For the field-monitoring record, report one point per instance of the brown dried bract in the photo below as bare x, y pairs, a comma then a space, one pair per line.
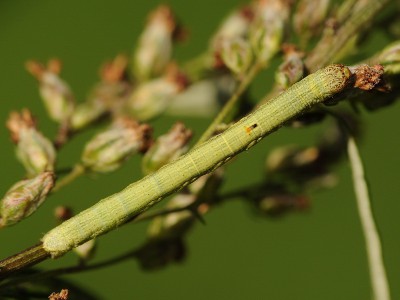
63, 295
19, 121
175, 75
179, 135
144, 132
291, 49
367, 78
163, 14
114, 71
37, 69
247, 12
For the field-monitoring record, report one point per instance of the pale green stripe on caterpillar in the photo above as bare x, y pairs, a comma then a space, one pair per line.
139, 196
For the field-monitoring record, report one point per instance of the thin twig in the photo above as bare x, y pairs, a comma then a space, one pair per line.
380, 286
70, 270
76, 172
26, 258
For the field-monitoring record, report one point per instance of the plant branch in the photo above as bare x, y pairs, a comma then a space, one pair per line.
26, 258
70, 270
77, 171
356, 23
379, 280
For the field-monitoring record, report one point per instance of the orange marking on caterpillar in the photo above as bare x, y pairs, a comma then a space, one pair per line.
249, 129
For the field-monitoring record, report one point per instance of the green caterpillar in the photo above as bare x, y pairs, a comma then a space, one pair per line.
114, 210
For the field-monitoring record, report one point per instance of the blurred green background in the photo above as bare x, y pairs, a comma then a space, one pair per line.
318, 254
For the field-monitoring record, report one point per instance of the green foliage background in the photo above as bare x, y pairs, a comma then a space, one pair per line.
314, 255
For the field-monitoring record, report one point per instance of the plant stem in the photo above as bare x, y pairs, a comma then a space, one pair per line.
77, 171
70, 270
380, 286
244, 84
356, 23
26, 258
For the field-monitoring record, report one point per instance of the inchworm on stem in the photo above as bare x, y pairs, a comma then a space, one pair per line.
206, 157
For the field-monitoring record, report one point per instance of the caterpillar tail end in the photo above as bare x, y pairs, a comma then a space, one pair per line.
54, 245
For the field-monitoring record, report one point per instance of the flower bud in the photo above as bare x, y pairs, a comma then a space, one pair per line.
109, 149
207, 186
292, 69
200, 99
288, 158
176, 224
276, 204
309, 18
86, 251
309, 167
154, 50
24, 198
267, 32
35, 151
235, 26
150, 99
157, 254
166, 148
86, 113
55, 93
107, 96
236, 54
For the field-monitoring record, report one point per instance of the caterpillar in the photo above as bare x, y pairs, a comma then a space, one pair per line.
116, 209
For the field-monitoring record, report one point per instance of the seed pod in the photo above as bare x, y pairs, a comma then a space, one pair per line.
55, 92
24, 198
34, 150
109, 149
150, 99
166, 148
154, 50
